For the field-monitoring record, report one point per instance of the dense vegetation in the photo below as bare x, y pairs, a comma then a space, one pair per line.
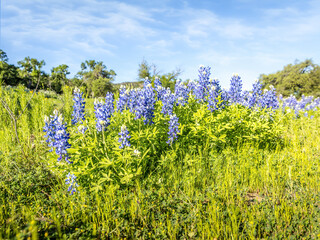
94, 77
301, 78
151, 163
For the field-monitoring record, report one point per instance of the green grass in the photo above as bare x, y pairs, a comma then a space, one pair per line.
244, 192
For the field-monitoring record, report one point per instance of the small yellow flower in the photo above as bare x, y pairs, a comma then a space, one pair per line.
46, 234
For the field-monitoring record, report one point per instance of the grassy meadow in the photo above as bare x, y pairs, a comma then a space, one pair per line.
223, 178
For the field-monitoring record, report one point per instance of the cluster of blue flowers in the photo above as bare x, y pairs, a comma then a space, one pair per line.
133, 99
103, 112
168, 101
302, 106
141, 102
269, 99
123, 98
57, 136
58, 139
215, 96
146, 103
173, 129
71, 181
78, 107
124, 137
253, 98
159, 89
235, 92
181, 93
200, 88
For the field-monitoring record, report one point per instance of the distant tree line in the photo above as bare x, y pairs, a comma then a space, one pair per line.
94, 77
300, 78
96, 80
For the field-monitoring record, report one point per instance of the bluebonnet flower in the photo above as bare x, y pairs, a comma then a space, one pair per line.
123, 98
145, 103
72, 183
78, 107
139, 106
204, 76
124, 137
224, 96
245, 97
159, 89
255, 95
103, 112
304, 104
181, 93
173, 129
192, 86
50, 128
269, 99
133, 99
235, 92
213, 98
199, 91
57, 136
202, 86
290, 102
168, 102
157, 82
214, 82
61, 143
304, 101
146, 82
314, 104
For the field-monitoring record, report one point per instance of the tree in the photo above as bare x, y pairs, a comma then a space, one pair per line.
58, 77
150, 71
8, 72
147, 70
30, 72
297, 79
3, 56
95, 76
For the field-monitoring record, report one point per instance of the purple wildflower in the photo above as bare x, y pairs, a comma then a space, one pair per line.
269, 99
181, 93
103, 112
255, 95
145, 103
57, 136
124, 137
173, 129
235, 92
78, 107
123, 98
168, 102
71, 181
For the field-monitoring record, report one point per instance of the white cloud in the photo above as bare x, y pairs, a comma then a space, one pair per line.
88, 27
185, 36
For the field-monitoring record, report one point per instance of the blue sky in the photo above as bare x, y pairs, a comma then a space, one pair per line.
248, 37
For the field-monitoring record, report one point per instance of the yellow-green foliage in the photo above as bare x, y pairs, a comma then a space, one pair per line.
243, 191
